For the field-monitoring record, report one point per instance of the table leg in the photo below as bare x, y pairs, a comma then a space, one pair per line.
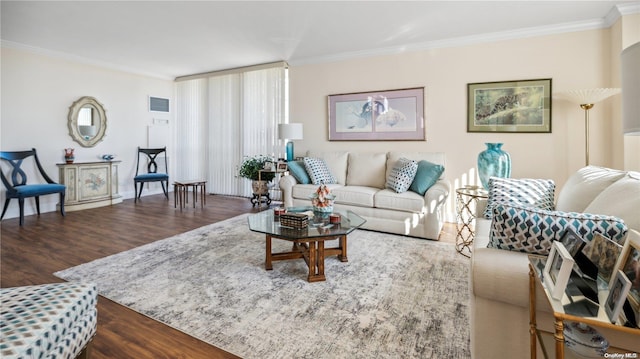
204, 193
194, 195
343, 246
316, 262
532, 313
267, 261
175, 195
559, 336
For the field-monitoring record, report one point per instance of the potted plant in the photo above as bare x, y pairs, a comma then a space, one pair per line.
249, 169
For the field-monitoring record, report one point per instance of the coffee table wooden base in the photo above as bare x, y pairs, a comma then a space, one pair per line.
313, 252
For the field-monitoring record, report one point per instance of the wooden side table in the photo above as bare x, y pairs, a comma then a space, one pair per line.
466, 201
181, 192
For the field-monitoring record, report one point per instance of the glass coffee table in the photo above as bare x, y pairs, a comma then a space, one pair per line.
308, 243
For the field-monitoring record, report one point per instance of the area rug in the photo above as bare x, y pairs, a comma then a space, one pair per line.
396, 297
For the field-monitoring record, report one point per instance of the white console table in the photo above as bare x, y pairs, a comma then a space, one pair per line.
89, 184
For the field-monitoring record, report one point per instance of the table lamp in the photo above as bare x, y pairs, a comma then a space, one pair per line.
586, 99
290, 132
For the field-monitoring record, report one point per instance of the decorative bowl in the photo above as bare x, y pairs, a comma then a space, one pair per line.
584, 340
325, 209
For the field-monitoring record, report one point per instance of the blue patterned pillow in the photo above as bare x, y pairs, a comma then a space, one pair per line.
402, 174
426, 175
298, 171
536, 193
318, 171
532, 230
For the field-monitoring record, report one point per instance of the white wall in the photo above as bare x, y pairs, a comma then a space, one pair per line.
37, 91
573, 61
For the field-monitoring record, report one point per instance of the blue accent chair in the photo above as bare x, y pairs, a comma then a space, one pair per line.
151, 175
18, 188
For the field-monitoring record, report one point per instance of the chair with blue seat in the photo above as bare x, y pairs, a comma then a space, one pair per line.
17, 186
151, 174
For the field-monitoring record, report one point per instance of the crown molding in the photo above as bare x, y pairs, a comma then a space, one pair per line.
606, 22
79, 59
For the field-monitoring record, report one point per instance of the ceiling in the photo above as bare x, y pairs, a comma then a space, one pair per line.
168, 39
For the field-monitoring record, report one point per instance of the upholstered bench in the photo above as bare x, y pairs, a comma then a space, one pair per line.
47, 321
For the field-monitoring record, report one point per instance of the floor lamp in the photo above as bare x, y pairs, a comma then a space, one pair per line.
586, 99
290, 132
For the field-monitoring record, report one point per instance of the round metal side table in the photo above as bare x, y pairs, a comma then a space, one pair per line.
466, 202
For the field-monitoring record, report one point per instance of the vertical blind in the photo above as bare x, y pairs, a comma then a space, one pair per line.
220, 119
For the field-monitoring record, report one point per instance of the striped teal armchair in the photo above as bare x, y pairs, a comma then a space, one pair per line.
17, 186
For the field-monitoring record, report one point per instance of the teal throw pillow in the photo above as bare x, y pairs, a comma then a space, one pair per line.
426, 176
299, 172
402, 175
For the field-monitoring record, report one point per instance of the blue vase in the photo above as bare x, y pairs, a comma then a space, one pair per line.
493, 162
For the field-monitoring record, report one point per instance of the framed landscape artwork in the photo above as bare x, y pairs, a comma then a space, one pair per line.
377, 116
514, 106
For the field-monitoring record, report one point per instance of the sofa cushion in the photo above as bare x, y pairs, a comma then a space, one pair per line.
336, 161
318, 171
298, 171
537, 193
401, 175
407, 201
366, 169
355, 195
531, 230
584, 186
426, 175
621, 199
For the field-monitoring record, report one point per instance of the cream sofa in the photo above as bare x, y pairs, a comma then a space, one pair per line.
361, 181
499, 279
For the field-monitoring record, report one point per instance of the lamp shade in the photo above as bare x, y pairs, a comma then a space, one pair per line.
590, 96
630, 73
290, 131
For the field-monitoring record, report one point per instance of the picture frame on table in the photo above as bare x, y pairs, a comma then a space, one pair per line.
391, 115
282, 166
572, 242
629, 264
557, 270
509, 106
618, 290
268, 165
604, 253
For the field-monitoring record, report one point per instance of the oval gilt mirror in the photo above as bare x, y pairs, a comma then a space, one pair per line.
87, 121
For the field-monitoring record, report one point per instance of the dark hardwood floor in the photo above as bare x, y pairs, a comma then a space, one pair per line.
49, 243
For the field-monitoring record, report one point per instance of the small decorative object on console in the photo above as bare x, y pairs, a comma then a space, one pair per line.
322, 200
108, 157
68, 155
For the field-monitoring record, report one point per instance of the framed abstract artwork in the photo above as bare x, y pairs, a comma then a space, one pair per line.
513, 106
377, 116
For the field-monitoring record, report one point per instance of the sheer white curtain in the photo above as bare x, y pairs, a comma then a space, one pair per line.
223, 118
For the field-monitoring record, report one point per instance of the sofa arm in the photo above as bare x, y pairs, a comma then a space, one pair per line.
286, 186
436, 196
